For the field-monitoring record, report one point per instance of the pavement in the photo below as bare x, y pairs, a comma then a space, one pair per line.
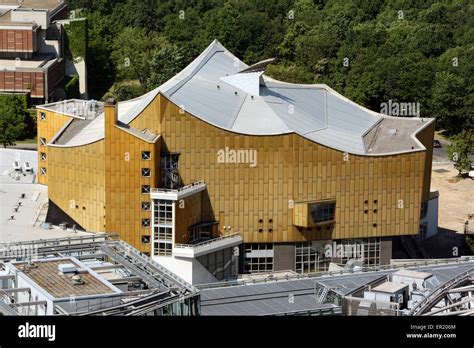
456, 196
23, 201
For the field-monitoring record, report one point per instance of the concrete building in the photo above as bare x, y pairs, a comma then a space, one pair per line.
88, 275
32, 44
224, 170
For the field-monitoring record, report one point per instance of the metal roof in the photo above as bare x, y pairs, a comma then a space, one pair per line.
220, 89
273, 297
262, 299
214, 89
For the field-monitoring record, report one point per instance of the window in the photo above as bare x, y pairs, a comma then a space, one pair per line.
367, 249
322, 212
145, 189
163, 249
43, 156
43, 171
145, 223
163, 212
309, 259
146, 172
162, 227
43, 141
42, 116
145, 239
258, 258
200, 234
146, 155
163, 233
146, 206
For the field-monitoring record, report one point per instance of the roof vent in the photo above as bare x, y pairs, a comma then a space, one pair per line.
77, 280
67, 268
249, 79
392, 131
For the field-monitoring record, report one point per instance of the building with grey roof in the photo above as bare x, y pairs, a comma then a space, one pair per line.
223, 170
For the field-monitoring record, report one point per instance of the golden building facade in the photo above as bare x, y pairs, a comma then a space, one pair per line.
272, 186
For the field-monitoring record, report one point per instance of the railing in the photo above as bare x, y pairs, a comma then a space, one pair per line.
434, 297
199, 183
53, 245
382, 268
161, 269
210, 241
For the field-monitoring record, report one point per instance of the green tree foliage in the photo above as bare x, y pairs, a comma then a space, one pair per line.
460, 149
13, 118
76, 39
370, 51
166, 62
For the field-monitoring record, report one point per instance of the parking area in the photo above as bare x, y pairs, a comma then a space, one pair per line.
22, 200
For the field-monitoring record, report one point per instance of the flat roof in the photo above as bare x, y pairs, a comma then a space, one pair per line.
413, 274
34, 4
389, 287
58, 285
6, 6
34, 63
272, 296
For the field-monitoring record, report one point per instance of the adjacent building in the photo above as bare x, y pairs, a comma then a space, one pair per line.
224, 170
32, 45
89, 275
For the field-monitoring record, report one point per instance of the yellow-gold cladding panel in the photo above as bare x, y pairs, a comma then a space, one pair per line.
375, 196
48, 124
124, 181
77, 183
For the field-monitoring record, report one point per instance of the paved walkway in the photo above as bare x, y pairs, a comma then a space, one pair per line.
22, 200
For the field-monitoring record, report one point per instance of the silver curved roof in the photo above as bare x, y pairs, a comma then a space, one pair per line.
216, 88
219, 89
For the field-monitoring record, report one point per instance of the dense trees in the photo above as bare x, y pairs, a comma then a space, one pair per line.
13, 118
372, 51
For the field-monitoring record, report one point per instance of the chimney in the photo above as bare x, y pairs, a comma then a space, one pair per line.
110, 113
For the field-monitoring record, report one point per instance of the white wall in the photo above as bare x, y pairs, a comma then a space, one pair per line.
431, 217
191, 270
35, 295
41, 17
79, 68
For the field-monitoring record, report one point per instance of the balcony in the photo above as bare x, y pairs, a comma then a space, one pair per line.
177, 194
212, 245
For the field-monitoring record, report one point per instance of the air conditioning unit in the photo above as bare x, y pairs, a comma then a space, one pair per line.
47, 226
67, 268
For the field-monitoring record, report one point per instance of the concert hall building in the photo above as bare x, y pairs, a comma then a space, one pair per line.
223, 170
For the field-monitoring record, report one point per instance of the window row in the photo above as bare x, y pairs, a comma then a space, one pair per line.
309, 260
258, 264
163, 233
162, 249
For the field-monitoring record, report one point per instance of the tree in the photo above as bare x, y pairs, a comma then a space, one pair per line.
460, 151
447, 101
13, 115
132, 52
167, 60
